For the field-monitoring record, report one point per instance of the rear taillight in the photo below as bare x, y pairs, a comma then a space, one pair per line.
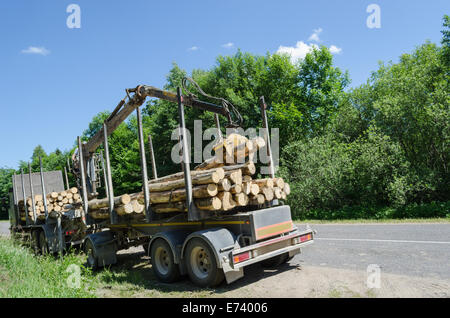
306, 237
70, 232
241, 257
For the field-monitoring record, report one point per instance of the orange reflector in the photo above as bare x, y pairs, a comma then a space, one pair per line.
306, 237
241, 257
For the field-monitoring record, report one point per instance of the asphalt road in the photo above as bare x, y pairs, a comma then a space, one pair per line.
421, 250
4, 228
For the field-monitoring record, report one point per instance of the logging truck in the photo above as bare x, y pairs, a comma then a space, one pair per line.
207, 222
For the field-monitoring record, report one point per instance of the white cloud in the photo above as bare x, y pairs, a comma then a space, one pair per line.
335, 50
36, 50
315, 36
228, 45
194, 48
298, 52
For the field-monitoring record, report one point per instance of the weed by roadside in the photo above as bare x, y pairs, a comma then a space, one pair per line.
24, 275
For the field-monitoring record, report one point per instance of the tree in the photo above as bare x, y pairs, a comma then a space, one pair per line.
5, 186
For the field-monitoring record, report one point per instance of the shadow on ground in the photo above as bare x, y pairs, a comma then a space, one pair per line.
134, 268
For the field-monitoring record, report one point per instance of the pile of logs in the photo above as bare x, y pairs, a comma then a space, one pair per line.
222, 183
58, 202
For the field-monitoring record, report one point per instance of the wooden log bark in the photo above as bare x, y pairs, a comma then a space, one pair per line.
180, 175
208, 204
201, 191
199, 179
103, 203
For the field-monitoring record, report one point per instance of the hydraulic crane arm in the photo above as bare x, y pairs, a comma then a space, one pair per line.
123, 110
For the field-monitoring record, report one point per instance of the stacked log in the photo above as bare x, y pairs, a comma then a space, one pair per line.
58, 202
223, 183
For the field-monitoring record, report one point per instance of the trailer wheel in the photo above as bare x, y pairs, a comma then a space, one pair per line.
89, 250
163, 263
275, 261
43, 245
201, 264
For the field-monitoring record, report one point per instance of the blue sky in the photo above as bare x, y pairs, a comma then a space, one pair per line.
55, 79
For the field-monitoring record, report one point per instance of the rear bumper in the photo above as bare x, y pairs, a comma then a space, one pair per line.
288, 243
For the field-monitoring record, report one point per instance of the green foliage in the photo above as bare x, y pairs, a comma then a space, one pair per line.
5, 185
327, 174
376, 150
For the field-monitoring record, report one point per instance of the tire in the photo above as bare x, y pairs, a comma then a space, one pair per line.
275, 261
201, 264
43, 245
163, 263
92, 259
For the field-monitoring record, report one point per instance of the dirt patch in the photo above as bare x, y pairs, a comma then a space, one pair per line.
133, 277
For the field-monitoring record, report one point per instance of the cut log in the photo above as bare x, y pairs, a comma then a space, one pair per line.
209, 204
180, 175
247, 178
73, 190
287, 189
264, 183
236, 189
125, 209
256, 199
224, 185
102, 213
246, 187
227, 200
241, 199
278, 182
277, 192
235, 176
137, 207
254, 189
207, 178
202, 191
268, 193
104, 203
169, 207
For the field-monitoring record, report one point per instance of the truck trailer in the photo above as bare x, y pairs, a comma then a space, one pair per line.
208, 247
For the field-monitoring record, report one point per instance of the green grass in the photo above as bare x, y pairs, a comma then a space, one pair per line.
24, 275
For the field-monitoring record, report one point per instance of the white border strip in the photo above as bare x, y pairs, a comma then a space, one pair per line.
383, 241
